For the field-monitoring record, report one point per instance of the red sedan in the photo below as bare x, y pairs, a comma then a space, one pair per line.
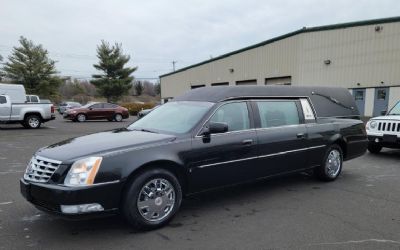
97, 111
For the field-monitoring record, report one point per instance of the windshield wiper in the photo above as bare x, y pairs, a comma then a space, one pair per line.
394, 114
143, 130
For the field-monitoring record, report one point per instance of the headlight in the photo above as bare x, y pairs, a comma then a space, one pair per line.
83, 172
373, 124
73, 111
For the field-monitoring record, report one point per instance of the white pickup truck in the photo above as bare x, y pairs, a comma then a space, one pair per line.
14, 108
384, 131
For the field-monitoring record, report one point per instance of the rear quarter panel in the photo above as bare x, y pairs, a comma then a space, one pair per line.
18, 111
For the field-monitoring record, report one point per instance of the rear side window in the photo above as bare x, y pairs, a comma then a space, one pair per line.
97, 106
110, 106
34, 99
278, 113
236, 115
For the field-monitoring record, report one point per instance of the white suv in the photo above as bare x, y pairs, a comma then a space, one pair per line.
384, 131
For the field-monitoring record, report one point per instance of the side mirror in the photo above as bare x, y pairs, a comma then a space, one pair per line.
3, 99
383, 112
215, 128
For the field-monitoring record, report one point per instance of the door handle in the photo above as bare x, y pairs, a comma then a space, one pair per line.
247, 142
301, 135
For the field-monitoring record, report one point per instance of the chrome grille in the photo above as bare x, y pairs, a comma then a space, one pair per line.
389, 126
41, 169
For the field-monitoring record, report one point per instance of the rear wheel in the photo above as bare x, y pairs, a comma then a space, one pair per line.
152, 199
32, 121
81, 117
374, 148
331, 165
117, 117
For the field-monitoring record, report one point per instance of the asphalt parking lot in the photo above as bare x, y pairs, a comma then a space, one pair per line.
361, 210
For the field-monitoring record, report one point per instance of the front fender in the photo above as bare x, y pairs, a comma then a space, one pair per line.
120, 165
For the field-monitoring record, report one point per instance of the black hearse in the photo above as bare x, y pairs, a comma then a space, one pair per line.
207, 138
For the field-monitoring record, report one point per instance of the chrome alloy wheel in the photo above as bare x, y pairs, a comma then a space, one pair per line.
156, 200
81, 118
333, 163
33, 122
118, 117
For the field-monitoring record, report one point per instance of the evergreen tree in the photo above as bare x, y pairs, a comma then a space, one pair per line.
116, 78
157, 88
1, 73
139, 87
30, 65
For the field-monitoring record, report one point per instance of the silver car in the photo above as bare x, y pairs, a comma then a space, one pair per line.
64, 106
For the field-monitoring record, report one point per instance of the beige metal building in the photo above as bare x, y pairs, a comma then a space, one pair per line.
361, 56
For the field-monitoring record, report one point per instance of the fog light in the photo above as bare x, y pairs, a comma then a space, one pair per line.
376, 140
82, 208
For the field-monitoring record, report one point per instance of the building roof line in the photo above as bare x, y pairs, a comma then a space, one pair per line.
290, 34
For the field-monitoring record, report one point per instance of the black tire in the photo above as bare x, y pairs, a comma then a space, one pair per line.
374, 148
80, 118
118, 117
129, 206
24, 124
323, 172
32, 122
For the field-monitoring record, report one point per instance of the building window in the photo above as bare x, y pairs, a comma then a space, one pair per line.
247, 82
381, 94
359, 95
282, 80
220, 84
197, 86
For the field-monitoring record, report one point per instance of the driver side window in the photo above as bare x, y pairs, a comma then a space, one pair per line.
236, 115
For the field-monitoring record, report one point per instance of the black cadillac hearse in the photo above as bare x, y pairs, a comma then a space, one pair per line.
206, 138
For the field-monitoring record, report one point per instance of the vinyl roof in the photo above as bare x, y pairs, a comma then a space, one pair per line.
327, 101
303, 30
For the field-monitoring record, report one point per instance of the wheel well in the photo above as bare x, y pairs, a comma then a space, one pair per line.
173, 167
33, 113
343, 146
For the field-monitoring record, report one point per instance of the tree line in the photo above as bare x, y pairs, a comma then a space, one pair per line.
29, 64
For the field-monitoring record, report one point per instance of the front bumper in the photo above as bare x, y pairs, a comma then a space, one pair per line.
50, 197
387, 141
69, 116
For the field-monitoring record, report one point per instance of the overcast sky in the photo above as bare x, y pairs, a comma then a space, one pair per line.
156, 32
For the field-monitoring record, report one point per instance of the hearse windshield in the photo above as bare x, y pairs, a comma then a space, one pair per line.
173, 117
395, 110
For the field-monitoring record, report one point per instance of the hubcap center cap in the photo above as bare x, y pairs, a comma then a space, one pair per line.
158, 201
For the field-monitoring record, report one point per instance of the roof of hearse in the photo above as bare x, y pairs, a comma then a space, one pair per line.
327, 101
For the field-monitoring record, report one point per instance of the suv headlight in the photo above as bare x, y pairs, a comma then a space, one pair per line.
83, 172
373, 124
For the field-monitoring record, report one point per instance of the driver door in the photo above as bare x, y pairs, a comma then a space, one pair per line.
225, 158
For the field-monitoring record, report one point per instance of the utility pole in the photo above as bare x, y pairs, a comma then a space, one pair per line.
173, 65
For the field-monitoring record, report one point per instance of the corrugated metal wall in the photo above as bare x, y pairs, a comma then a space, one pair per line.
358, 57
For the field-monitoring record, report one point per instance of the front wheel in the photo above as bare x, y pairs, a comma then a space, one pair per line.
81, 117
32, 121
117, 117
374, 148
152, 199
331, 165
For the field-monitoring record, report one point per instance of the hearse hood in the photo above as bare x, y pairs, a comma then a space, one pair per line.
387, 118
101, 143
